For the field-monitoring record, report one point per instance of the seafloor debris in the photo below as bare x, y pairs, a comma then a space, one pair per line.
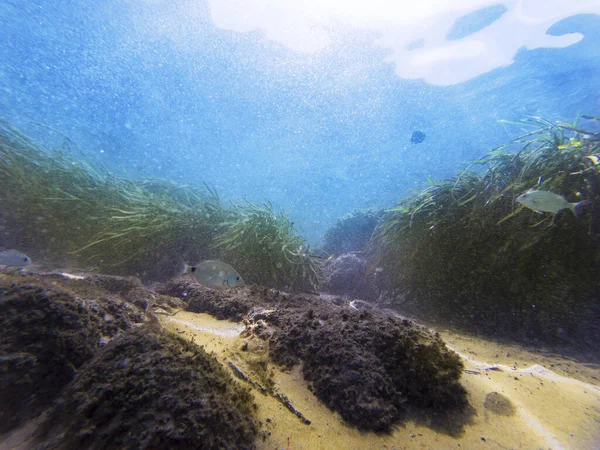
281, 397
242, 376
288, 404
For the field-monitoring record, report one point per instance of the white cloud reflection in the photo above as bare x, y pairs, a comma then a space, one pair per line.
306, 26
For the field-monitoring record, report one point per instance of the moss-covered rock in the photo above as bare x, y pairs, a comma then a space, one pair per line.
89, 352
368, 366
47, 332
231, 304
347, 275
351, 232
149, 390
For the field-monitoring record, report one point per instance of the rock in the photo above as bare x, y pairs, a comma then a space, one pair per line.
361, 305
47, 332
113, 283
345, 275
231, 304
149, 390
499, 404
368, 365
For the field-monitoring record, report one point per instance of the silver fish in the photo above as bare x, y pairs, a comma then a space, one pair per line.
14, 258
546, 201
215, 274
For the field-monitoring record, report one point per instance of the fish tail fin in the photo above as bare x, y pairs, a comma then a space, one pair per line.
579, 206
184, 267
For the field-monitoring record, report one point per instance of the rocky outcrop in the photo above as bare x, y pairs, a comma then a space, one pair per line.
86, 356
347, 275
152, 391
369, 365
90, 353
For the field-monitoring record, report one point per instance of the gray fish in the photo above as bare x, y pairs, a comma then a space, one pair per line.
215, 274
546, 201
14, 258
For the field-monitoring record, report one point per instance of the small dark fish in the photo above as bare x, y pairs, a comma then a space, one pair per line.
417, 137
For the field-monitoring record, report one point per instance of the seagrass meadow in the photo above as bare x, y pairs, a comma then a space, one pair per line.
351, 232
465, 252
67, 211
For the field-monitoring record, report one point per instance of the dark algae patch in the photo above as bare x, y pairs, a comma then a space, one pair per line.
152, 391
230, 304
499, 404
86, 359
369, 367
46, 334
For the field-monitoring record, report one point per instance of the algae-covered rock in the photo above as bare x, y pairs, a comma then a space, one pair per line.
346, 275
148, 390
351, 232
223, 304
88, 351
499, 404
47, 333
363, 364
233, 304
367, 366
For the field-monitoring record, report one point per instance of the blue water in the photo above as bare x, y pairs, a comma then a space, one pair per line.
156, 88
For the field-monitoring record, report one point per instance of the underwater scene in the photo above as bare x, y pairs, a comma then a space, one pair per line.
282, 225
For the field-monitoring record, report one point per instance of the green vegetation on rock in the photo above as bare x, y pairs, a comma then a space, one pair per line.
154, 390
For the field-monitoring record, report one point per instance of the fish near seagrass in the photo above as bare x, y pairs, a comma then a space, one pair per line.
14, 258
215, 274
546, 201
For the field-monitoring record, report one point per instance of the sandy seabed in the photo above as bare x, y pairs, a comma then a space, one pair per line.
554, 401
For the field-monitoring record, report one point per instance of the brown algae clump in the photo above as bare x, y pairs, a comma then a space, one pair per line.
499, 404
369, 367
148, 389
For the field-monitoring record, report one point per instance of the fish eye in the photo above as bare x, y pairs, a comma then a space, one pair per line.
25, 259
237, 278
193, 269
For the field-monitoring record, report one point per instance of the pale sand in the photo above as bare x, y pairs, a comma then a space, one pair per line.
558, 408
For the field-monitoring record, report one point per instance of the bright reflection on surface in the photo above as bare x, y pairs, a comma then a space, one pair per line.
308, 27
